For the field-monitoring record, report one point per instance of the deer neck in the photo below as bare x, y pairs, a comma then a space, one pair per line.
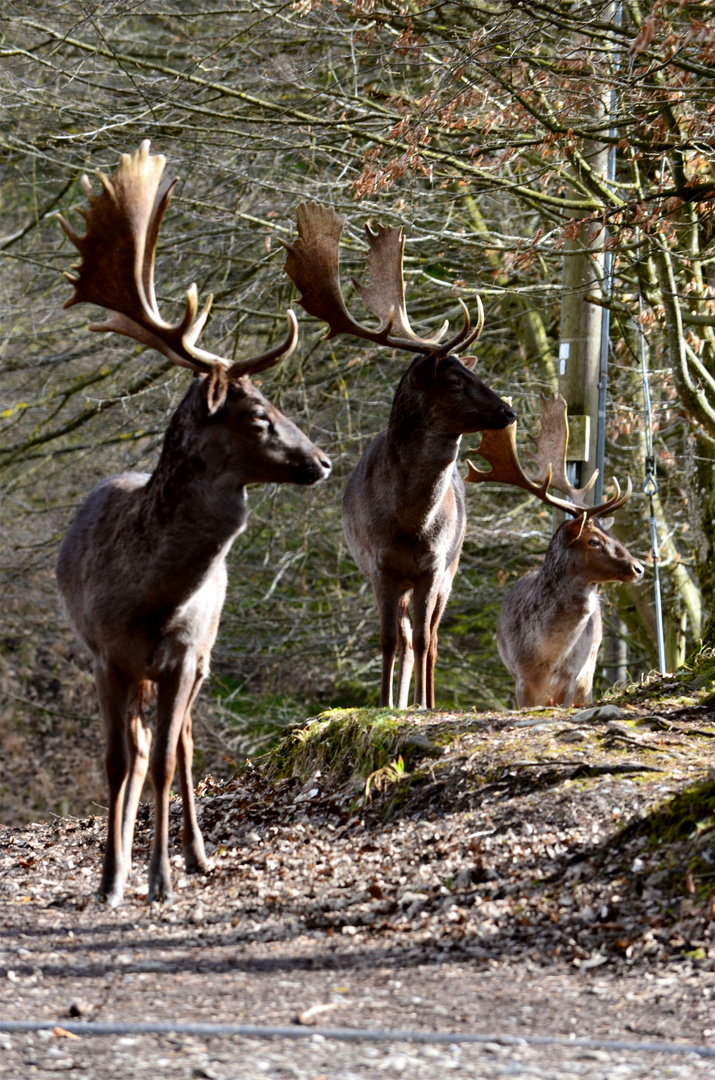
193, 505
566, 596
420, 465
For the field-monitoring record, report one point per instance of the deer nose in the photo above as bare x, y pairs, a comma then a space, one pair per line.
638, 570
509, 414
326, 463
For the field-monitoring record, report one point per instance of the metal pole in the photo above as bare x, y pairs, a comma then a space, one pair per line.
603, 373
651, 489
607, 290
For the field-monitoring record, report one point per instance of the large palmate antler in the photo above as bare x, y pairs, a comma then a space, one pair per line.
312, 264
498, 448
551, 449
117, 268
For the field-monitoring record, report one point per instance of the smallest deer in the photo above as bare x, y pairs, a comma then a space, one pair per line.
549, 628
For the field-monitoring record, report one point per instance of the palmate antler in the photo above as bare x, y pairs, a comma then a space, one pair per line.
312, 264
498, 448
117, 268
551, 449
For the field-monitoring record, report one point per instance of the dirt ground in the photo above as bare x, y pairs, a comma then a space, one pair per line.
524, 874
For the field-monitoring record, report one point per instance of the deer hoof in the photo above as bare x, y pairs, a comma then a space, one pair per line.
113, 897
158, 894
197, 866
195, 858
160, 888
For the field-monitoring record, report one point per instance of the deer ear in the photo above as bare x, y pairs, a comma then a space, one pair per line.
469, 361
424, 370
215, 388
574, 529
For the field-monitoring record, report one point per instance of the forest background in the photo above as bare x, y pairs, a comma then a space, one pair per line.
512, 142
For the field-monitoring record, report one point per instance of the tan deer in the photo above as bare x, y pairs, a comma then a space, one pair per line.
142, 570
549, 628
403, 507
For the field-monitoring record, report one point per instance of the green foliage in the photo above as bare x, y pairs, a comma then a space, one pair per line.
383, 778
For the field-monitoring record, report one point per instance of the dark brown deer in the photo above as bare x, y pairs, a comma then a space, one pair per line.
403, 507
549, 628
142, 571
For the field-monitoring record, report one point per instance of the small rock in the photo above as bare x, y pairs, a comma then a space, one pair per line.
307, 795
309, 1017
593, 961
573, 735
412, 899
598, 712
495, 1048
616, 728
421, 742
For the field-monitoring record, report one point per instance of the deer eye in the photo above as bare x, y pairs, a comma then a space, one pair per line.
454, 380
594, 543
260, 419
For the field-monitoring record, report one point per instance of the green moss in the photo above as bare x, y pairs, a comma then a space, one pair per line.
690, 813
348, 746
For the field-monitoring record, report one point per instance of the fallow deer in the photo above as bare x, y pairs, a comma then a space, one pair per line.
403, 507
142, 570
549, 628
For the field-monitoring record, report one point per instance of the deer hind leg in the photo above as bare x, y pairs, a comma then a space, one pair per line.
433, 640
113, 695
563, 694
531, 692
388, 597
192, 843
139, 738
426, 607
174, 697
405, 652
562, 685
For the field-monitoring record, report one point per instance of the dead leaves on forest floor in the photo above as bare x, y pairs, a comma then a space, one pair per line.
556, 836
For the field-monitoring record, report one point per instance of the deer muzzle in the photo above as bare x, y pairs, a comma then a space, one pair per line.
635, 574
313, 471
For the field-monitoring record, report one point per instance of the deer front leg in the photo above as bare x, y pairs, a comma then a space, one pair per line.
113, 694
174, 695
425, 601
387, 595
406, 653
192, 843
439, 607
591, 641
139, 737
525, 695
